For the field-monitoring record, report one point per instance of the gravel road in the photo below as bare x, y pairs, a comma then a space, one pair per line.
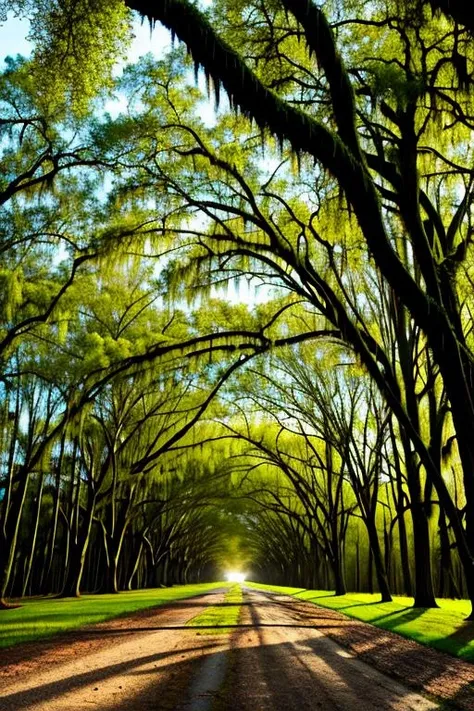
280, 657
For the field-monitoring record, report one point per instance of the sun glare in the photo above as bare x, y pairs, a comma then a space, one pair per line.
234, 577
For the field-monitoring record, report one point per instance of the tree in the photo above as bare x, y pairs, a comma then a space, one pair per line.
377, 187
336, 469
376, 141
357, 162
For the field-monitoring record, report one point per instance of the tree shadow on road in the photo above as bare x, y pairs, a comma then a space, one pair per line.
277, 676
52, 691
278, 667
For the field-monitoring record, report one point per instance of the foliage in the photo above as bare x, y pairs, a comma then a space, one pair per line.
151, 428
76, 46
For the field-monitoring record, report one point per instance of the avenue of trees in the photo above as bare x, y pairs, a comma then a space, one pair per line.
236, 315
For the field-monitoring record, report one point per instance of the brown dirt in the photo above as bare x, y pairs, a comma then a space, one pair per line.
141, 662
285, 663
435, 673
32, 657
284, 656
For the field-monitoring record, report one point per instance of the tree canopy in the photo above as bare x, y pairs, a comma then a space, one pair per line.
236, 315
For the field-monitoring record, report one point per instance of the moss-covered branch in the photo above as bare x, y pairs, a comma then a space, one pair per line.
321, 42
229, 71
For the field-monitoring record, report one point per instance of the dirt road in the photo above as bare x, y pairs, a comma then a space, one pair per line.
280, 657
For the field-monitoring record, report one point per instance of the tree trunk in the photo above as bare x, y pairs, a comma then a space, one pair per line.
111, 584
29, 565
424, 590
10, 532
357, 564
47, 582
399, 497
338, 572
377, 557
404, 557
77, 559
135, 566
447, 582
114, 545
370, 570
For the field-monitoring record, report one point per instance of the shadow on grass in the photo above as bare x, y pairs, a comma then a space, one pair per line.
354, 604
454, 644
401, 616
457, 642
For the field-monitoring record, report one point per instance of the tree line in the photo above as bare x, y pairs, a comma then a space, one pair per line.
336, 175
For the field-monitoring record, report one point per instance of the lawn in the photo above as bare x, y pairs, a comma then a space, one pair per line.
445, 628
219, 616
42, 617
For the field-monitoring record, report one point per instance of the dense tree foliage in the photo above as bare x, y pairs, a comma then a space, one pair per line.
150, 427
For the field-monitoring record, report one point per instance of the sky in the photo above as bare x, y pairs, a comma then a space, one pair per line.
13, 38
13, 41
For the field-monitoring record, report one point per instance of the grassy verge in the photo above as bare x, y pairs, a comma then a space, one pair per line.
444, 628
216, 618
42, 617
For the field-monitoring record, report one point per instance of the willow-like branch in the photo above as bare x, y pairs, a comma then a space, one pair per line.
305, 134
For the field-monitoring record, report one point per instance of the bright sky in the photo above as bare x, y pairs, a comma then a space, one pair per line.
13, 41
13, 38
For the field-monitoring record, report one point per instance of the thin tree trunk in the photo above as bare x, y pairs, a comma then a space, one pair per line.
424, 590
72, 586
370, 573
447, 582
135, 566
8, 547
400, 509
29, 565
377, 557
47, 578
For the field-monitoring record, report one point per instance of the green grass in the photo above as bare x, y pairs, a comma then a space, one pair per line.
444, 628
42, 617
217, 617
